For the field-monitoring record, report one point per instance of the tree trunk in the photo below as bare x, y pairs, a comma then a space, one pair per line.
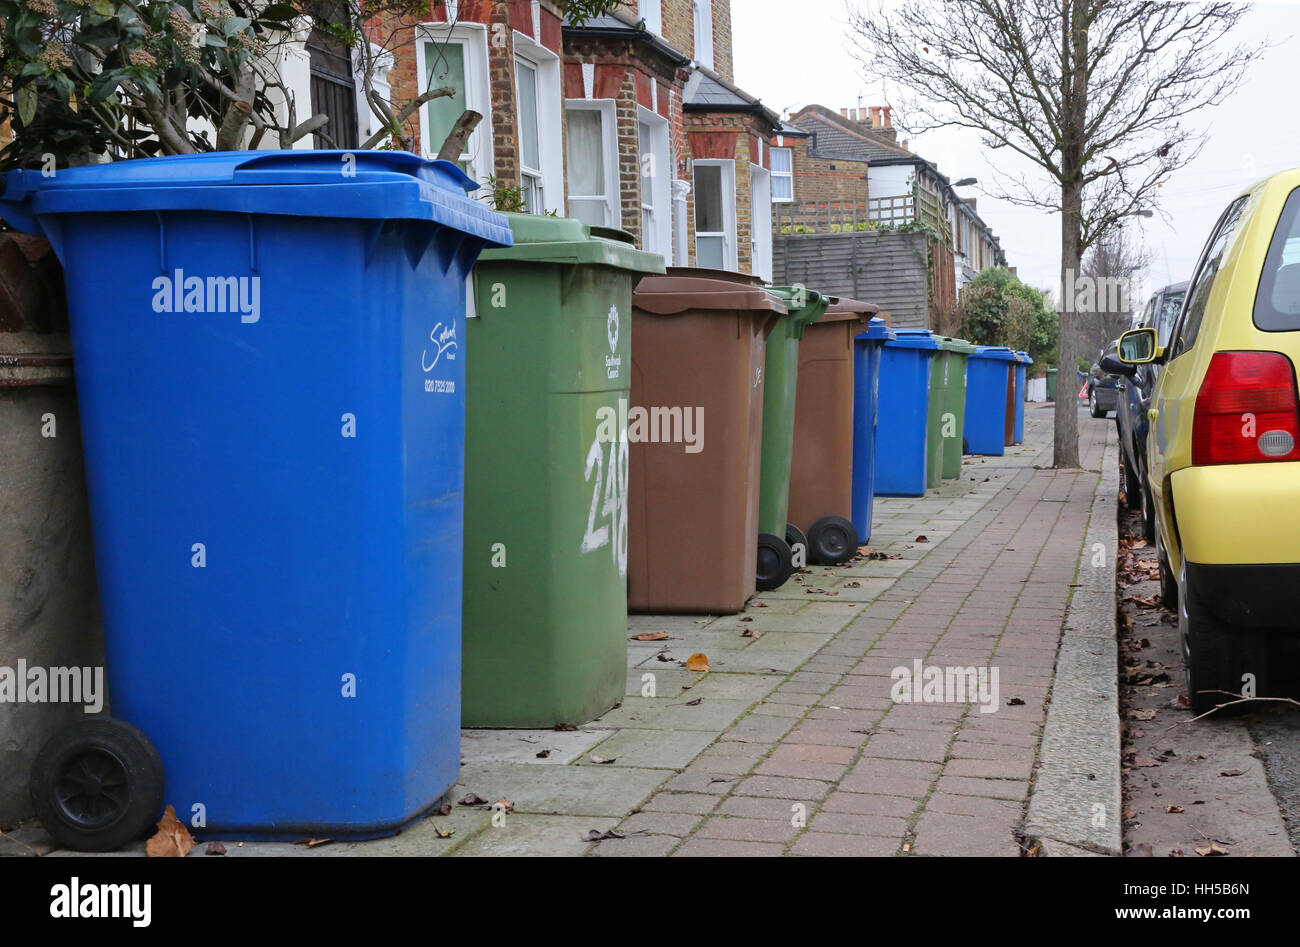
1065, 446
1074, 115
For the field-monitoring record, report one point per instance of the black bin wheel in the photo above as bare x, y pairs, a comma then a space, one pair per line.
775, 562
833, 540
97, 785
795, 537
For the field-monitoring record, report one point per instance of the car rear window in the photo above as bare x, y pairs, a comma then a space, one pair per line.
1277, 302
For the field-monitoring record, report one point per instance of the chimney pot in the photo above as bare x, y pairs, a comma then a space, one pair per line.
875, 116
888, 121
906, 145
844, 113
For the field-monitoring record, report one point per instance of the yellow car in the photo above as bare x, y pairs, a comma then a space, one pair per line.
1223, 450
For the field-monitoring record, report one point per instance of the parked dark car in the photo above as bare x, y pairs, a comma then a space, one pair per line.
1161, 313
1103, 387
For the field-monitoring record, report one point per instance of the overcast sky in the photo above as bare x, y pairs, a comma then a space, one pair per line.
1252, 135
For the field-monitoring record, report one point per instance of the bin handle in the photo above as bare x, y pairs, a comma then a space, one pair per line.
611, 233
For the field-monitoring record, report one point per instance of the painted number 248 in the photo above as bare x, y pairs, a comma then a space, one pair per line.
608, 501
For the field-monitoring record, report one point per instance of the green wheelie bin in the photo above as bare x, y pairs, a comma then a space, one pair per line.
953, 417
778, 539
549, 371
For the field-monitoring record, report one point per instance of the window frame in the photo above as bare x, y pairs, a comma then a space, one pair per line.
473, 38
729, 235
549, 177
760, 225
608, 110
659, 184
788, 175
702, 30
652, 12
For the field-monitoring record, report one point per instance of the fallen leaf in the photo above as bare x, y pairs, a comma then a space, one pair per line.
1143, 762
1141, 850
697, 662
173, 839
751, 633
650, 636
564, 727
473, 799
600, 760
1015, 702
595, 836
441, 832
444, 809
505, 805
313, 842
215, 848
1142, 713
543, 754
1230, 772
695, 703
759, 604
921, 539
1214, 848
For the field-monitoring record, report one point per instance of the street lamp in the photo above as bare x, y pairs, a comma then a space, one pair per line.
966, 182
1143, 213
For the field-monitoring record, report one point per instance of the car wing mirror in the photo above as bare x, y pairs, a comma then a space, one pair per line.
1112, 365
1139, 347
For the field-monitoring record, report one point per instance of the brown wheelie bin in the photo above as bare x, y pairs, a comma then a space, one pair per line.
821, 473
698, 347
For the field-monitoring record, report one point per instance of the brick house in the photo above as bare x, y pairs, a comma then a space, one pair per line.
688, 149
902, 187
630, 120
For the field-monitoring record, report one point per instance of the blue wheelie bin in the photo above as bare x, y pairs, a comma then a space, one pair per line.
271, 375
986, 428
867, 346
1023, 361
903, 427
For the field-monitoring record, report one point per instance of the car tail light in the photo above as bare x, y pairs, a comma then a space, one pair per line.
1246, 410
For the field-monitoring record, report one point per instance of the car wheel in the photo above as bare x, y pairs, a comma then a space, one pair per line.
1219, 658
1131, 484
1168, 584
1093, 407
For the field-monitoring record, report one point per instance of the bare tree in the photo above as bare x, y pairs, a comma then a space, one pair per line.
1092, 94
1114, 269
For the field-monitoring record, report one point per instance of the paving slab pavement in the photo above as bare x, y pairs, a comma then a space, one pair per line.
793, 743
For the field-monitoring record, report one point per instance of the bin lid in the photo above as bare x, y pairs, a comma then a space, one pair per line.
563, 240
684, 288
956, 345
877, 331
1024, 357
805, 306
915, 339
994, 351
370, 185
843, 308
